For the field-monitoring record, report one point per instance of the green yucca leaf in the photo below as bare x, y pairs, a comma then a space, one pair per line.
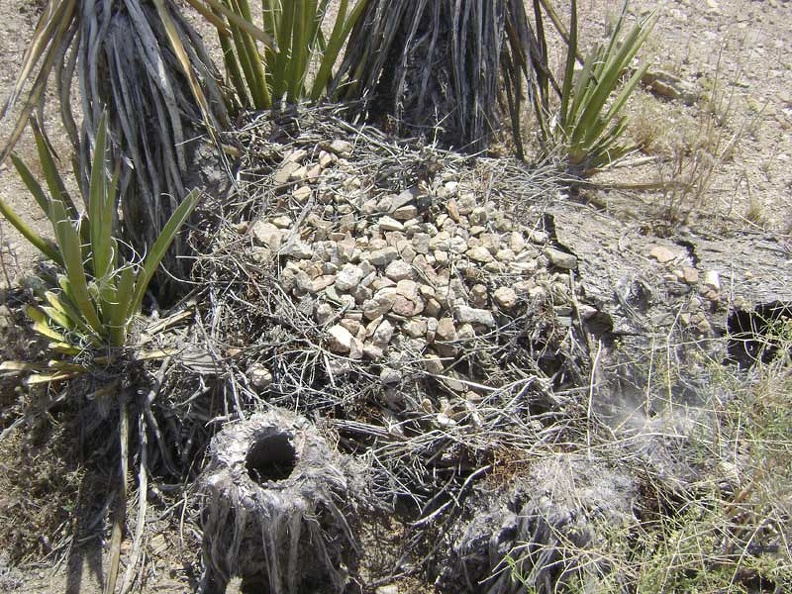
41, 325
101, 207
157, 251
52, 177
71, 249
45, 246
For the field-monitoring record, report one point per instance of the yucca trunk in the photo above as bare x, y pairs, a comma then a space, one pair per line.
125, 62
141, 62
433, 67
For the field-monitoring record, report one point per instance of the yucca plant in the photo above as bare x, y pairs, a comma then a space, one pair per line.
95, 295
143, 62
590, 123
298, 49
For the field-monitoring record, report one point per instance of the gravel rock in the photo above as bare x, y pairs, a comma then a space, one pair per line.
267, 234
561, 259
339, 339
446, 330
505, 297
399, 270
348, 278
471, 315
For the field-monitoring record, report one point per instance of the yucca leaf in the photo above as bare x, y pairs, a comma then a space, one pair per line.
235, 19
569, 71
68, 310
18, 366
52, 176
157, 251
45, 246
71, 248
50, 378
51, 29
41, 325
101, 206
119, 312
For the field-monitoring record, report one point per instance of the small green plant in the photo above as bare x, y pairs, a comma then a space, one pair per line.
95, 295
588, 128
281, 73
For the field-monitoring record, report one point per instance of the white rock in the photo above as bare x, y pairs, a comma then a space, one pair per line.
342, 148
298, 249
348, 278
339, 339
382, 257
380, 304
421, 243
561, 259
387, 223
405, 213
712, 280
446, 330
267, 234
302, 193
505, 297
383, 334
479, 254
471, 315
259, 376
408, 288
415, 328
399, 270
390, 376
284, 173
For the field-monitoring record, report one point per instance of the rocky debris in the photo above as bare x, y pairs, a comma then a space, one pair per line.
384, 272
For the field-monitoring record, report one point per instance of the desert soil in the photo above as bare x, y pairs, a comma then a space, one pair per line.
733, 58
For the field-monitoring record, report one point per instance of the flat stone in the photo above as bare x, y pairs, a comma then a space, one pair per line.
663, 254
320, 283
402, 306
382, 257
712, 280
407, 288
479, 254
690, 275
284, 173
297, 249
390, 376
302, 193
505, 297
267, 234
324, 313
387, 223
405, 213
420, 242
372, 351
561, 259
471, 315
415, 328
348, 278
342, 148
453, 210
433, 364
380, 304
326, 159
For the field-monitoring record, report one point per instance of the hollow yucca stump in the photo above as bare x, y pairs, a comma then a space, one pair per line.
272, 510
